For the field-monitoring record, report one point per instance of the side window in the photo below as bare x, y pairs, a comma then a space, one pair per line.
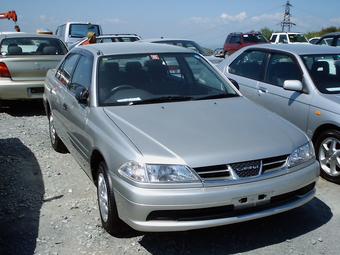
249, 64
235, 39
283, 39
337, 42
203, 75
273, 39
64, 72
282, 67
82, 74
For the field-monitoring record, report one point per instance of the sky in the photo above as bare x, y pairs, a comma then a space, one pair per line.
206, 21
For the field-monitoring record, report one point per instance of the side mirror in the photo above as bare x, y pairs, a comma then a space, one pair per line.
82, 95
294, 85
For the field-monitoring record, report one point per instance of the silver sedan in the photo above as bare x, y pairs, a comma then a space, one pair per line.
170, 143
24, 61
302, 84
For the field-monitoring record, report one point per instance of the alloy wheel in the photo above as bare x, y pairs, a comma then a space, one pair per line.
329, 156
103, 197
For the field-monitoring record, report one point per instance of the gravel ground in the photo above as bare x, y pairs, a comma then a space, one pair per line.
48, 206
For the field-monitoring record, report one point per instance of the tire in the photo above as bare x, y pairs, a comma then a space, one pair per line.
327, 148
56, 142
107, 204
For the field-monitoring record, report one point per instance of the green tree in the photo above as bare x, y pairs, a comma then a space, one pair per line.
266, 32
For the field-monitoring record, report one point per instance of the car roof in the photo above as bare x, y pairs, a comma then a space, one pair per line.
331, 34
23, 35
120, 48
295, 33
117, 35
299, 49
165, 40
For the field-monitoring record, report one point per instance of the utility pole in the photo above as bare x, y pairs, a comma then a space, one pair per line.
286, 24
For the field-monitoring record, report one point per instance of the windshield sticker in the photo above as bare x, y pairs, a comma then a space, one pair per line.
154, 57
133, 99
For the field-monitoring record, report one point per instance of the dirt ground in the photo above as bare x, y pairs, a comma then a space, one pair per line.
48, 206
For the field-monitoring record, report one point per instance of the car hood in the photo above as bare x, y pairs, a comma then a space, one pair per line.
209, 132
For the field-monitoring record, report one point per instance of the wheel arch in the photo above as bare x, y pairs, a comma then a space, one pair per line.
323, 128
96, 158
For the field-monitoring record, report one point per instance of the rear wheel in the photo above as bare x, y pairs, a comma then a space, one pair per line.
327, 149
56, 142
107, 204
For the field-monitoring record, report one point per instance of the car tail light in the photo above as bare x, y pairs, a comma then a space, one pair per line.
4, 72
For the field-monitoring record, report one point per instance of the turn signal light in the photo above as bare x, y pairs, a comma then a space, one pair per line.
4, 72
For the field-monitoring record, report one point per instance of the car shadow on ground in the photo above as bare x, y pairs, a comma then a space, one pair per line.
22, 108
21, 196
241, 237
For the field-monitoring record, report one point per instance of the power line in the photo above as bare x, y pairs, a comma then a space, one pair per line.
286, 23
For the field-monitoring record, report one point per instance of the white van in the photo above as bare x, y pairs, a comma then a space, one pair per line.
288, 37
72, 32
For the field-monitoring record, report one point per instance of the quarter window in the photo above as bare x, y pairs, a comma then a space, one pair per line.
273, 39
249, 64
282, 67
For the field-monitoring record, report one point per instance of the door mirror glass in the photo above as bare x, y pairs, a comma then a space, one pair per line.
294, 85
82, 95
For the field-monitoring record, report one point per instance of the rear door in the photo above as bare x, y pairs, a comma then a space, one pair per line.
291, 105
59, 91
29, 58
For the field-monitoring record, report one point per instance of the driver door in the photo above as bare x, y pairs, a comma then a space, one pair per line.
76, 114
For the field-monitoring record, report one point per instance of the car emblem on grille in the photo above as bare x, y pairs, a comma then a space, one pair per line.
247, 169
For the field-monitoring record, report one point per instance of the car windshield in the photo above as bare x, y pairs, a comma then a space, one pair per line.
81, 30
325, 72
32, 46
156, 78
254, 38
297, 38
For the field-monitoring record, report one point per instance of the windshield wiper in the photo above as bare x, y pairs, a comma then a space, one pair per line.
216, 96
163, 99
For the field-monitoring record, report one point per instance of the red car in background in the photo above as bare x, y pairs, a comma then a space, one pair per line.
236, 41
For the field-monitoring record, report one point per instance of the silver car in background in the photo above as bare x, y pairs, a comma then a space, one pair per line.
24, 61
170, 144
208, 54
302, 84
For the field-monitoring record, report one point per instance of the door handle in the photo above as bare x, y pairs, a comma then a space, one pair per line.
262, 90
65, 107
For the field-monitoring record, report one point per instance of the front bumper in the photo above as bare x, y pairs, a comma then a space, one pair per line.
15, 90
137, 205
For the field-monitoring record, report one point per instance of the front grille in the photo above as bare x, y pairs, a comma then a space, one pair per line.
270, 164
247, 169
241, 169
227, 210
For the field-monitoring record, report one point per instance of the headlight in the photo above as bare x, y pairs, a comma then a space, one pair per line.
151, 173
301, 154
170, 173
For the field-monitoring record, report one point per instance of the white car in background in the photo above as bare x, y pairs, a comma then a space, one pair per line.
288, 38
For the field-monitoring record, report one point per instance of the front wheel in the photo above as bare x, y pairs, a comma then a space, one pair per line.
107, 204
327, 149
